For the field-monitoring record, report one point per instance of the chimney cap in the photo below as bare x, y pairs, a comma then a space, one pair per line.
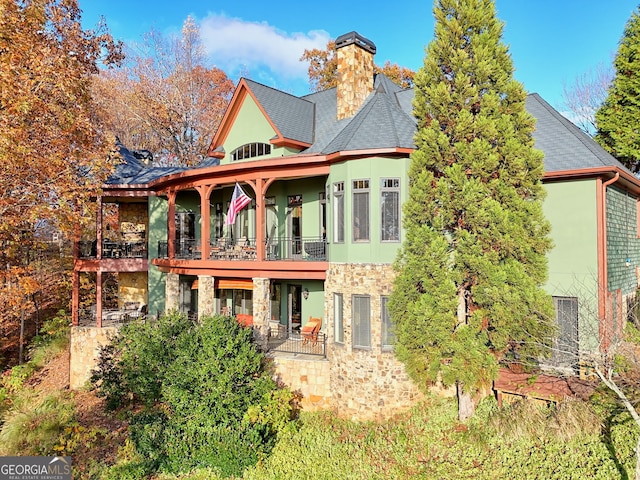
357, 39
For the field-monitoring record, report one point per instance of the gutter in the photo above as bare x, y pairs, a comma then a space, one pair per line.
603, 280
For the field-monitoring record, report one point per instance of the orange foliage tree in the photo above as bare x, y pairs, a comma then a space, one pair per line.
53, 156
323, 69
165, 99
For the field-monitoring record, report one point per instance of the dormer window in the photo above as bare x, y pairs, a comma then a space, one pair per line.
250, 150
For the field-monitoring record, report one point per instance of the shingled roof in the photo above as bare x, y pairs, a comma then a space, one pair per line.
385, 121
565, 146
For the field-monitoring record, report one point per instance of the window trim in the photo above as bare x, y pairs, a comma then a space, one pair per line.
250, 150
338, 196
385, 327
365, 189
353, 320
397, 222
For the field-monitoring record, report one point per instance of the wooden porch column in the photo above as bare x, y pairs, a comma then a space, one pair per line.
99, 299
260, 187
99, 228
205, 216
75, 298
171, 224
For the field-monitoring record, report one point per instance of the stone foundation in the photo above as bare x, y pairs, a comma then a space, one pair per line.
308, 377
366, 383
84, 350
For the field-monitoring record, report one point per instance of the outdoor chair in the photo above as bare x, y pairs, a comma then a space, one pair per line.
310, 330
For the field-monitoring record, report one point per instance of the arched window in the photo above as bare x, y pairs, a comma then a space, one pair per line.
250, 150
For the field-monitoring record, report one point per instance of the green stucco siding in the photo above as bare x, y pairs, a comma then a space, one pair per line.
251, 126
373, 169
570, 207
157, 233
623, 245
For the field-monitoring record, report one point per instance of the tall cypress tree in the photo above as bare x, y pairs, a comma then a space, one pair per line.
468, 286
618, 119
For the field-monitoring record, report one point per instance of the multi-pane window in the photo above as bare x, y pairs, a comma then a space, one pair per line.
250, 150
388, 337
361, 321
338, 212
390, 209
360, 210
338, 318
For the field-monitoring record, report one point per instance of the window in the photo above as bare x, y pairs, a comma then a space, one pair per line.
565, 351
361, 210
388, 337
338, 333
323, 215
361, 327
390, 209
250, 150
338, 212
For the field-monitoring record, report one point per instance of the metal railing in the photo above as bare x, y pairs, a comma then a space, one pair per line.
112, 249
296, 344
296, 248
280, 248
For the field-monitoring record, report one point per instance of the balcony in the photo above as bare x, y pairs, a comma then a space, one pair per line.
113, 249
282, 248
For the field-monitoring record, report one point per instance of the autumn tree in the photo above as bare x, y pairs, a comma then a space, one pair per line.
323, 69
165, 99
468, 287
618, 118
52, 154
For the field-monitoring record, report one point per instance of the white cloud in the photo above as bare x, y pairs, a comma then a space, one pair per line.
236, 45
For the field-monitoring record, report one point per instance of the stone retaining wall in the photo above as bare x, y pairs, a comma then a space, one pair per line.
308, 377
84, 350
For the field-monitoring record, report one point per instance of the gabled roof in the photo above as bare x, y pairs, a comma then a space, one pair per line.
291, 116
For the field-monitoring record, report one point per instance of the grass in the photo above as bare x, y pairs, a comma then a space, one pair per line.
522, 441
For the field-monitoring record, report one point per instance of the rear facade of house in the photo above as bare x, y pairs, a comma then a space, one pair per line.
326, 175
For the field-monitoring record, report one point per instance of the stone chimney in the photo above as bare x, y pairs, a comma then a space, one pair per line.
355, 72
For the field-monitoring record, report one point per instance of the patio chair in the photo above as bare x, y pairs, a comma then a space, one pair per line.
310, 330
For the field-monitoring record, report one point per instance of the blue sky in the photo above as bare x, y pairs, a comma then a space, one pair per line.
552, 42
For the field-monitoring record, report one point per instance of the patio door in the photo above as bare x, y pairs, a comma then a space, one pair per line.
294, 307
294, 226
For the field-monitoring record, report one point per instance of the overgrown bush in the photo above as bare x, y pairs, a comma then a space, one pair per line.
207, 395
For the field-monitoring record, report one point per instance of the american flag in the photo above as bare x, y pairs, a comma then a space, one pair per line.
239, 200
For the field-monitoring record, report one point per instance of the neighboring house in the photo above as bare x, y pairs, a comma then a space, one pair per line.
327, 175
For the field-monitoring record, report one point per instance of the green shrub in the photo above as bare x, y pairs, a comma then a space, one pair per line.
208, 396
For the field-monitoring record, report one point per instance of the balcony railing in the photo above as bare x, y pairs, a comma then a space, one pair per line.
295, 344
296, 248
282, 248
113, 249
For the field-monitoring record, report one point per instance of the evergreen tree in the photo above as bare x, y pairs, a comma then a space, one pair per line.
468, 286
618, 118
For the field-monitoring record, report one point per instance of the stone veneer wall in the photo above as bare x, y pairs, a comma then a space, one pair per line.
310, 378
365, 383
172, 295
261, 310
206, 295
85, 347
355, 79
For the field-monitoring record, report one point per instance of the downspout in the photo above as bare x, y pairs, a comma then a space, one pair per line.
603, 274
